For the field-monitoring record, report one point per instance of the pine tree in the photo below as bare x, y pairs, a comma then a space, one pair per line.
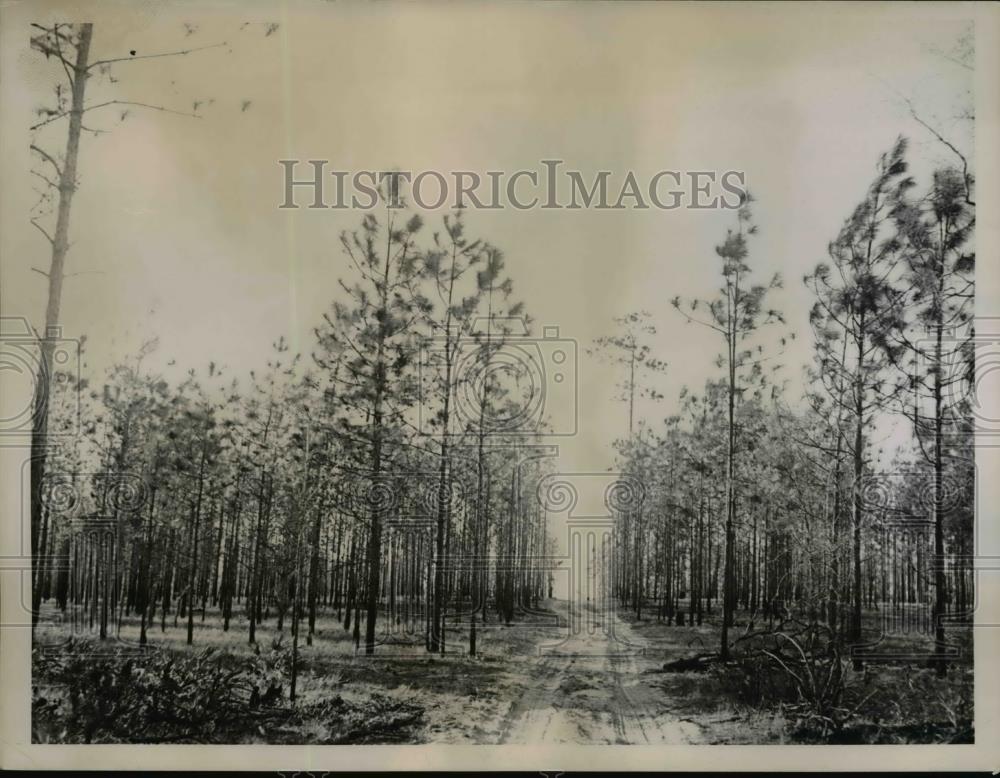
857, 315
372, 338
737, 313
935, 232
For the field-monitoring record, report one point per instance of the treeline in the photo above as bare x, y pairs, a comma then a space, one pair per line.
385, 477
776, 508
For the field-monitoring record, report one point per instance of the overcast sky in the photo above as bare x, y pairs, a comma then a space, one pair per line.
179, 215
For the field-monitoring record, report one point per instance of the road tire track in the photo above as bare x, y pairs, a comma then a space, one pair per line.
592, 689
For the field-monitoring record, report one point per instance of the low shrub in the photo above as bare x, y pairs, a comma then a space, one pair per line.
81, 695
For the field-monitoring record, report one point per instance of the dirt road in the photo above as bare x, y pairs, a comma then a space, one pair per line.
592, 688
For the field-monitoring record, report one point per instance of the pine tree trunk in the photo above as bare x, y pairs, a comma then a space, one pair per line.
49, 338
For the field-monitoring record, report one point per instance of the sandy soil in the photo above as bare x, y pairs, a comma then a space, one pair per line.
592, 688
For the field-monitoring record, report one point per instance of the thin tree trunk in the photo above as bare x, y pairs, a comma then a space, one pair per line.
49, 338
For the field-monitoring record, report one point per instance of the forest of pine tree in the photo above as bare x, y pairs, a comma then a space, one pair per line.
320, 548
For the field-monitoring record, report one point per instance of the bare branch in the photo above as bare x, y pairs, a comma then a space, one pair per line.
154, 56
45, 178
42, 230
47, 157
950, 145
117, 102
68, 66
